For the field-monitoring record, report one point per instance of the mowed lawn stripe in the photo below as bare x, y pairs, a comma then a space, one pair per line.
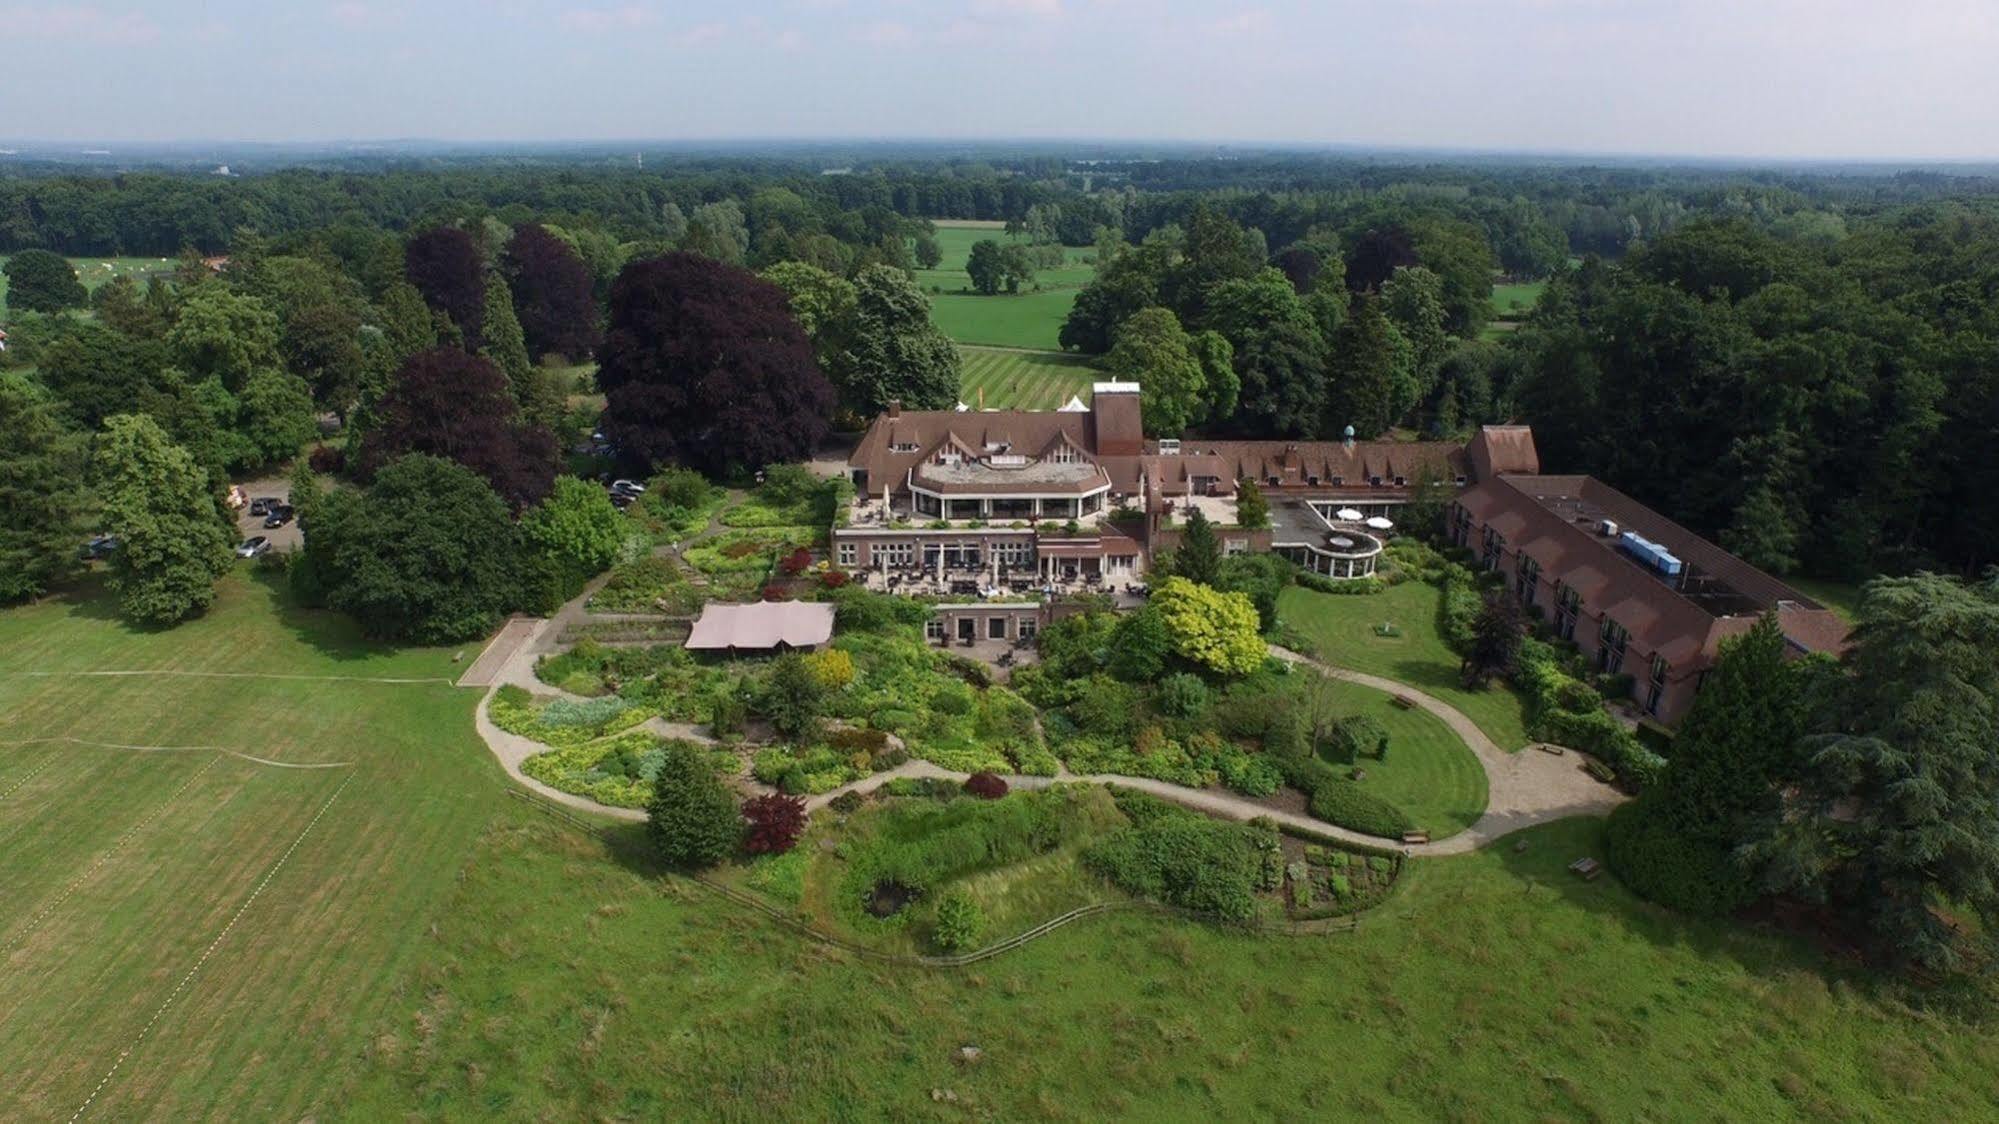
1039, 380
104, 790
291, 1000
94, 973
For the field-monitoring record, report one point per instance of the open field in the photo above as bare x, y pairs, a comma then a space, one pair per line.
1025, 319
234, 925
564, 981
96, 271
1022, 380
1343, 629
1429, 773
1514, 300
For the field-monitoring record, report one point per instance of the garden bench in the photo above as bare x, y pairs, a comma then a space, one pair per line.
1586, 869
1550, 747
1405, 702
1415, 837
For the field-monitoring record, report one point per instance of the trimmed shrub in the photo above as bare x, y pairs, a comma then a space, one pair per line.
847, 803
1342, 802
1659, 863
985, 786
772, 824
1182, 696
960, 922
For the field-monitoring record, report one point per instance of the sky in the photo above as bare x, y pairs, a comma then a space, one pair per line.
1913, 79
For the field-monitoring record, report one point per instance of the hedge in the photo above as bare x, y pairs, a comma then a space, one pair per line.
1660, 863
1344, 803
1565, 710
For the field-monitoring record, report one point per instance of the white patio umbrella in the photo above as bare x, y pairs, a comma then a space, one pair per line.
1348, 513
1380, 523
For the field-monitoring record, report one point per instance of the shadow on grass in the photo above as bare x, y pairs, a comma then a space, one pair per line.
327, 632
1539, 858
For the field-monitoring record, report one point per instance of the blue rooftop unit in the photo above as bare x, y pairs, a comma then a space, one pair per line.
1649, 554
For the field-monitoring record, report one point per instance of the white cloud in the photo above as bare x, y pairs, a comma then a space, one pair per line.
698, 35
78, 22
365, 17
1249, 22
624, 18
887, 33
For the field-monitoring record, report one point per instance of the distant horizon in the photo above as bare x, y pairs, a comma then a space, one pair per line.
1776, 80
25, 147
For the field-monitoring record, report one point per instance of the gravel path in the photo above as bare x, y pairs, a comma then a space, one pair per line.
1525, 788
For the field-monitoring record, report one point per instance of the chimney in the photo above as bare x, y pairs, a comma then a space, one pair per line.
894, 408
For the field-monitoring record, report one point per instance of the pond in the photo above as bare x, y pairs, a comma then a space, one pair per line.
889, 897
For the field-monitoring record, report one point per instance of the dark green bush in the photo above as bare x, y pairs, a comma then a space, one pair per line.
1656, 862
1344, 803
1188, 860
1182, 696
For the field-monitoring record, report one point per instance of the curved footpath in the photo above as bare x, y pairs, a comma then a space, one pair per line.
1525, 788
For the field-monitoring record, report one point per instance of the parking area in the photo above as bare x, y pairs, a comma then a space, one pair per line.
248, 525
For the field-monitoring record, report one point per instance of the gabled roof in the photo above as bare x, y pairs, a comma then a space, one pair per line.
1553, 520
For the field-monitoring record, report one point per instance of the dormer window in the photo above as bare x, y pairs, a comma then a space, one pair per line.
1375, 481
1339, 480
902, 447
1399, 482
1274, 481
1461, 481
1312, 480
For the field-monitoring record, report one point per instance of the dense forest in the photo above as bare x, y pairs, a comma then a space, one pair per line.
1802, 362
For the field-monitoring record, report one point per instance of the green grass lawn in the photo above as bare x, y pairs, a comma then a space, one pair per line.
1429, 773
125, 867
96, 271
1841, 597
1343, 628
564, 981
1026, 319
433, 949
1514, 300
1021, 380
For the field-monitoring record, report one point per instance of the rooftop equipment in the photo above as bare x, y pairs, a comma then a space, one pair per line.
1650, 554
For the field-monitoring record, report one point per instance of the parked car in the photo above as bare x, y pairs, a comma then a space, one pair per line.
622, 500
629, 487
278, 517
101, 546
253, 546
262, 505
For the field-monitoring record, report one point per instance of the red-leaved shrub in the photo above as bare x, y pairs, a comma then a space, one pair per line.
773, 592
834, 579
772, 824
327, 459
985, 786
795, 563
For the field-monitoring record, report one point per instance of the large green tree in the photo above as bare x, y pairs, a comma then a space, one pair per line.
986, 267
1153, 350
897, 352
174, 540
39, 281
43, 501
1894, 816
224, 334
824, 304
427, 553
692, 819
1361, 375
274, 415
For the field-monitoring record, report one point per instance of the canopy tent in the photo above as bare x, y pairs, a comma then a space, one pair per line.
1350, 514
1380, 523
761, 626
